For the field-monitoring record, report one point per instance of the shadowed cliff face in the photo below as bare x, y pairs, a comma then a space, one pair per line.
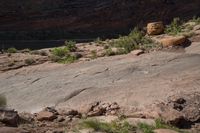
56, 19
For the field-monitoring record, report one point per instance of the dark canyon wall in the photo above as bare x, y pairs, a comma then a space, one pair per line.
56, 19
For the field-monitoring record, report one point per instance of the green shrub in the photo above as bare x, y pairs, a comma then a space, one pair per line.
60, 52
196, 19
12, 50
113, 127
134, 40
174, 28
68, 59
71, 46
145, 128
109, 52
3, 101
29, 61
93, 54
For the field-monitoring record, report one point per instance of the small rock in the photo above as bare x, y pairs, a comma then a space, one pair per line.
67, 119
77, 55
114, 106
26, 117
60, 119
9, 117
68, 111
164, 131
96, 112
51, 109
45, 115
137, 52
155, 28
170, 115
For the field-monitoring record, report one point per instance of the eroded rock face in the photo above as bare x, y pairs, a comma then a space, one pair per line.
36, 19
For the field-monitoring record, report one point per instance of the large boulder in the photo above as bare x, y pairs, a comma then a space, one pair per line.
172, 40
155, 28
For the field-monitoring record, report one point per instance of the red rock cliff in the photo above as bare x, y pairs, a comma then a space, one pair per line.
43, 19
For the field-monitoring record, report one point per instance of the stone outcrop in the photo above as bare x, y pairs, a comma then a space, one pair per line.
173, 41
55, 19
155, 28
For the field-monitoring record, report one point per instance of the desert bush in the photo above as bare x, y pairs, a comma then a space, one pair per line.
113, 127
12, 50
175, 27
60, 52
62, 55
93, 54
71, 46
196, 19
109, 52
3, 100
145, 128
135, 40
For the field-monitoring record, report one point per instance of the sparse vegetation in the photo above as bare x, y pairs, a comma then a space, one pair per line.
62, 55
71, 46
29, 61
196, 20
145, 128
3, 101
98, 41
113, 127
12, 50
93, 54
60, 52
109, 52
135, 40
175, 27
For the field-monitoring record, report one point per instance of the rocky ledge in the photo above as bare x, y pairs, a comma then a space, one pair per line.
181, 111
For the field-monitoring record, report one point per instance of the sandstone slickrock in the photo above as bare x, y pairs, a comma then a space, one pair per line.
155, 28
